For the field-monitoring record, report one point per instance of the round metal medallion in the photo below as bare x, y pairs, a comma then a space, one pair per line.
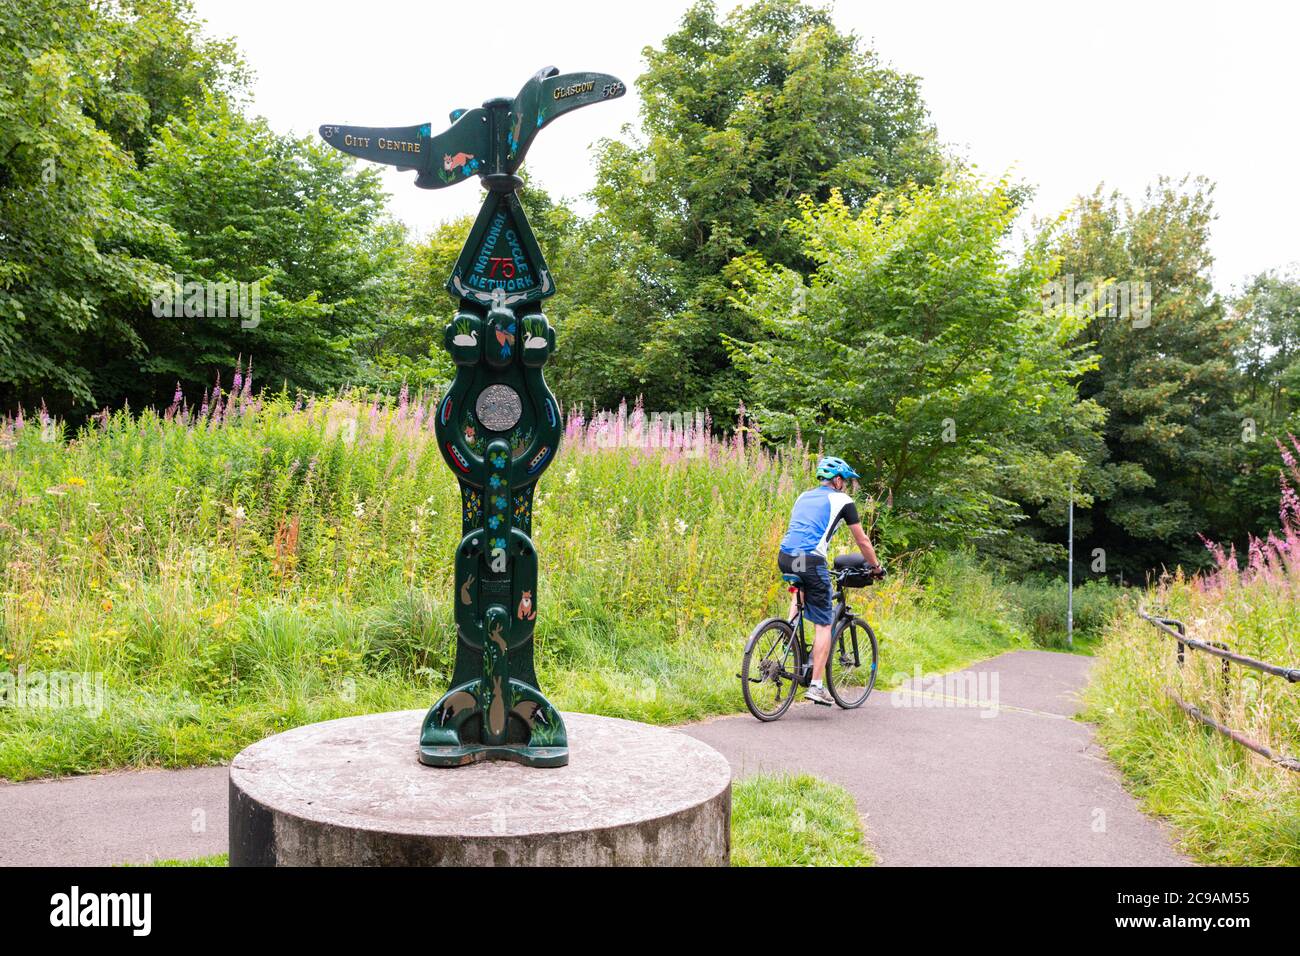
498, 407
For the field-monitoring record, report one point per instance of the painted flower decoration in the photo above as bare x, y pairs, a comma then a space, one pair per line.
498, 459
499, 502
494, 522
472, 505
498, 543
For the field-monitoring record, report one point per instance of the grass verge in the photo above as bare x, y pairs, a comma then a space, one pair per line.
1227, 806
795, 820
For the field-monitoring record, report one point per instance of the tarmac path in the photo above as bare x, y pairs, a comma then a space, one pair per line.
943, 778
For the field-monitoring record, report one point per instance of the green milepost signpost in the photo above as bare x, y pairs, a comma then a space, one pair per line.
498, 426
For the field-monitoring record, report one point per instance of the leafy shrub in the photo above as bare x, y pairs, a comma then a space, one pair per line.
1042, 604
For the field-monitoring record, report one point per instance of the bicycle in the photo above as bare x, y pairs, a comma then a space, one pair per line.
776, 664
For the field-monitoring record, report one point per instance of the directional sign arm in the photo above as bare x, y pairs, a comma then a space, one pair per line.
401, 146
487, 141
568, 91
459, 152
550, 94
442, 160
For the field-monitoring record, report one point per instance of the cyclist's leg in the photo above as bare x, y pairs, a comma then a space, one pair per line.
821, 651
817, 608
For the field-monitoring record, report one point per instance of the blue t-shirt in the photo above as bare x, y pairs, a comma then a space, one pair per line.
815, 517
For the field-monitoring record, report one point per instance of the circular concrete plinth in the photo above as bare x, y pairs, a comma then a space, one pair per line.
351, 792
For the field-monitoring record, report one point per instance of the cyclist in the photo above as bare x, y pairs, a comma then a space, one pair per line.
815, 517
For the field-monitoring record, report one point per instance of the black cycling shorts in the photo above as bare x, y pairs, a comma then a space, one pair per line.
815, 580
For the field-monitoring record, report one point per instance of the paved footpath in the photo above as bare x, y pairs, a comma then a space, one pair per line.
938, 784
128, 816
941, 778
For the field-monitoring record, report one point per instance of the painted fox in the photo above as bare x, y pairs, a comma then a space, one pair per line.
452, 163
526, 610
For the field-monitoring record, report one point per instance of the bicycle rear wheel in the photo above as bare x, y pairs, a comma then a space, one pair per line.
851, 666
767, 673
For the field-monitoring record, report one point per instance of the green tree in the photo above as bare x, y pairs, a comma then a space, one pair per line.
409, 349
1165, 376
920, 350
300, 220
81, 86
741, 117
1267, 309
69, 269
152, 58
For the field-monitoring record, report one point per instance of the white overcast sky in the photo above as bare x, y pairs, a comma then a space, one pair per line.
1064, 96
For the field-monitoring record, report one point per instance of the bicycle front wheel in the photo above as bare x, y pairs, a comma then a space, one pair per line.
851, 666
767, 673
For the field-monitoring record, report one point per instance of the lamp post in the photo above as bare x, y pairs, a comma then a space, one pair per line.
1069, 578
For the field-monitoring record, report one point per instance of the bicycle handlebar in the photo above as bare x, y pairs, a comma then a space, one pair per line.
876, 573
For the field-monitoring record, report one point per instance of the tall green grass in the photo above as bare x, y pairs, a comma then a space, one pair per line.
1228, 805
256, 564
1043, 608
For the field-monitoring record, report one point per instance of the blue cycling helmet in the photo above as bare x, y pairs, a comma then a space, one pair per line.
831, 467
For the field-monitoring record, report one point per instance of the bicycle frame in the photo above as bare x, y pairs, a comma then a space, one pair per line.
840, 611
